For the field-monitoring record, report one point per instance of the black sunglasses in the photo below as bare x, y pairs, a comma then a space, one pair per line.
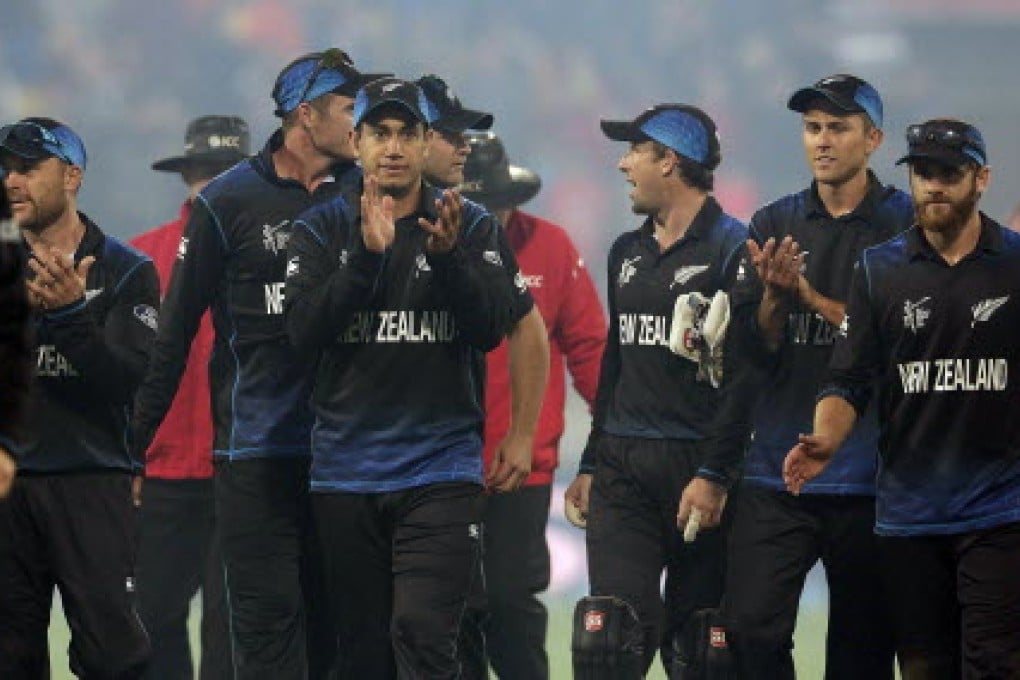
29, 139
332, 59
946, 134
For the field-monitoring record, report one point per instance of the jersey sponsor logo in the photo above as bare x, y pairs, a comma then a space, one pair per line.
182, 248
627, 270
293, 266
148, 315
421, 265
809, 328
274, 238
954, 375
684, 274
717, 637
92, 294
493, 258
916, 314
400, 326
644, 329
274, 297
983, 310
49, 363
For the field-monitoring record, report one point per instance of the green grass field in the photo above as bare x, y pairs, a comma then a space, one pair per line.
808, 651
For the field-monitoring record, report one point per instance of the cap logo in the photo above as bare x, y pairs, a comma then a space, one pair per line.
390, 87
224, 141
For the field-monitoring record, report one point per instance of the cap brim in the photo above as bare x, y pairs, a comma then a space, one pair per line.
622, 131
802, 98
952, 158
465, 119
179, 163
523, 186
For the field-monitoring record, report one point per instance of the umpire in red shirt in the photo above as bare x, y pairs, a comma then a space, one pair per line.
516, 555
178, 551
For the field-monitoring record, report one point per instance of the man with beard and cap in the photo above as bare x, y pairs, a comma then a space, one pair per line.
177, 551
69, 521
231, 261
933, 314
15, 350
396, 290
788, 309
656, 454
516, 556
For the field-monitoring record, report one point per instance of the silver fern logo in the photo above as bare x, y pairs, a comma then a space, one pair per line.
983, 310
684, 274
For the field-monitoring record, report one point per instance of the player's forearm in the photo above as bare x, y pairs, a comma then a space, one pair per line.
834, 419
829, 309
529, 372
772, 314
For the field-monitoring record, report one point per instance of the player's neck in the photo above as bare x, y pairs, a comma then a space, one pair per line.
63, 235
676, 217
957, 241
844, 197
299, 160
408, 203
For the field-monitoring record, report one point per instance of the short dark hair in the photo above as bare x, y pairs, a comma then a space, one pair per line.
694, 175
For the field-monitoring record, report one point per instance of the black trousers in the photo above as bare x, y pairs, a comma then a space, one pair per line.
506, 623
776, 539
955, 603
632, 536
178, 555
400, 567
279, 621
76, 532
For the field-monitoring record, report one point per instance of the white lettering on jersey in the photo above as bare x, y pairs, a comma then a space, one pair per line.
274, 297
400, 326
808, 328
644, 329
50, 363
954, 375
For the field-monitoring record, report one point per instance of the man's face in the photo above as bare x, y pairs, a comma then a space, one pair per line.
38, 189
329, 125
645, 170
393, 149
448, 151
838, 147
944, 196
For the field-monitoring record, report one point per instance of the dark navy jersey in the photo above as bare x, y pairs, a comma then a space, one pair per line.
231, 260
794, 373
645, 390
942, 341
399, 339
90, 357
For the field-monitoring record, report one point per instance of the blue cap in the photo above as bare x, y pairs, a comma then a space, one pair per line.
848, 93
315, 74
391, 91
686, 129
445, 110
39, 138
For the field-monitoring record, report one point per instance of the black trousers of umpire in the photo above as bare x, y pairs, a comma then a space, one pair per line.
400, 567
632, 536
506, 626
279, 622
775, 540
955, 603
76, 532
178, 555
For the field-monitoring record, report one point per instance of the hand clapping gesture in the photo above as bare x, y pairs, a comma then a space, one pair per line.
778, 265
443, 234
57, 281
377, 225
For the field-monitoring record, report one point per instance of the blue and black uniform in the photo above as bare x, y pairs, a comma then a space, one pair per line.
941, 340
777, 537
399, 341
69, 521
232, 260
655, 428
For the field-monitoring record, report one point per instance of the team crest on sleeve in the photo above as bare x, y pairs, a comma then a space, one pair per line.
148, 315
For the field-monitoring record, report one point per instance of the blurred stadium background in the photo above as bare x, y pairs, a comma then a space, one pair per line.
129, 74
